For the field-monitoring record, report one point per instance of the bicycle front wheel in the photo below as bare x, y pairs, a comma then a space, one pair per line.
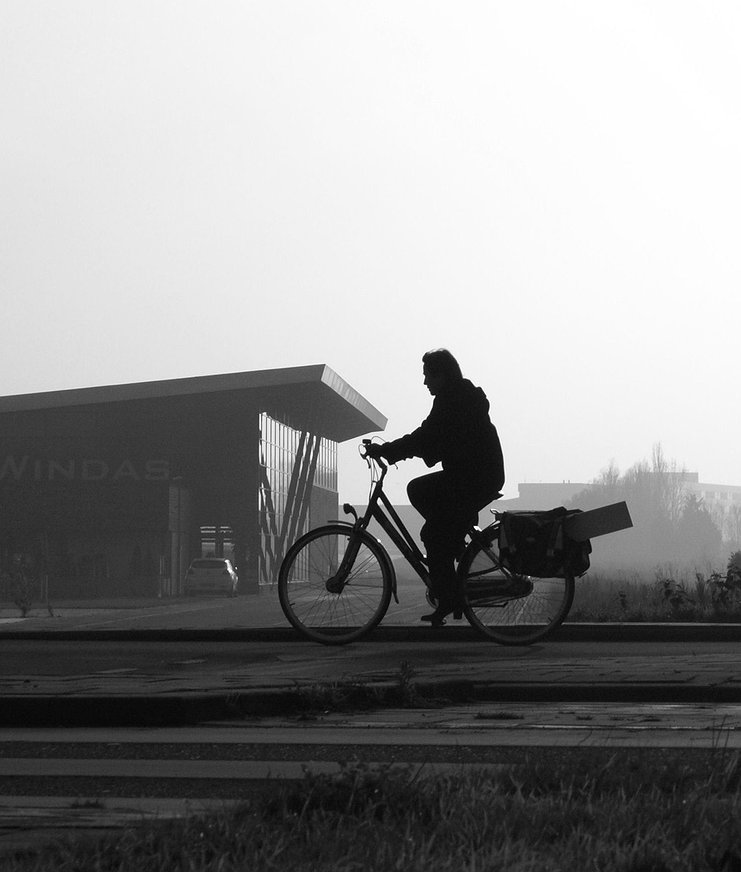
346, 612
508, 608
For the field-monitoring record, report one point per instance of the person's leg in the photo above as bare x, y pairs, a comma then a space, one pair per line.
426, 492
434, 497
450, 506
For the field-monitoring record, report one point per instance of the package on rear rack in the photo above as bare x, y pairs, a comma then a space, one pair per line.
535, 543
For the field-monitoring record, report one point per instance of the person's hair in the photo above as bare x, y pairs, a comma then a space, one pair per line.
440, 362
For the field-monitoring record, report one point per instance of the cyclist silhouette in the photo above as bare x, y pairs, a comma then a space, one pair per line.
459, 435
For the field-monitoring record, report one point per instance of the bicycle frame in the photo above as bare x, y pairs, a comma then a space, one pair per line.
381, 510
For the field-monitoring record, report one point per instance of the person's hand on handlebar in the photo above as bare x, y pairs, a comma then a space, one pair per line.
374, 450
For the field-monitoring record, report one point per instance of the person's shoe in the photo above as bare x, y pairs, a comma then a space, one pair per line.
444, 608
437, 618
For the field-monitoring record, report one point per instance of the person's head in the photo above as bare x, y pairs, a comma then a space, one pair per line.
440, 370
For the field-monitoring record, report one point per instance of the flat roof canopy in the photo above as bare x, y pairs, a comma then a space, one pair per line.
313, 397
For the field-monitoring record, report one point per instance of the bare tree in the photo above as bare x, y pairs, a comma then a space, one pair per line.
656, 493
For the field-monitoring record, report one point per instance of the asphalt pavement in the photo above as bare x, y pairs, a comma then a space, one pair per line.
198, 661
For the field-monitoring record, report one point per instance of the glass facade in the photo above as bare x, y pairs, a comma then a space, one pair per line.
294, 466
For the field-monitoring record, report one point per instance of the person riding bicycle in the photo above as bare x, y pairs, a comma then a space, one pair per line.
459, 435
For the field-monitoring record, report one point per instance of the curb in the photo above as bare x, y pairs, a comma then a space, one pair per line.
140, 710
644, 632
192, 708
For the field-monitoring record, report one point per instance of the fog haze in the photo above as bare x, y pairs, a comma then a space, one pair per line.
549, 190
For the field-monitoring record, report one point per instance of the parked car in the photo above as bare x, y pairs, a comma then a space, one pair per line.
211, 575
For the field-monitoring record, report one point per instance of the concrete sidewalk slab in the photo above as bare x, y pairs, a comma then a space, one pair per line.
187, 677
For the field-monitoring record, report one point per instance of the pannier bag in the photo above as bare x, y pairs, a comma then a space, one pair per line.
534, 543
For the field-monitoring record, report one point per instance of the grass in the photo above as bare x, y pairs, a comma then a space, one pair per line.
668, 596
631, 812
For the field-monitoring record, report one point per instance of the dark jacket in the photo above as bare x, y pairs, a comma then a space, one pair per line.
457, 433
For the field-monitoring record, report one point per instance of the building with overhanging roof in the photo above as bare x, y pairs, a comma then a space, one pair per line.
111, 491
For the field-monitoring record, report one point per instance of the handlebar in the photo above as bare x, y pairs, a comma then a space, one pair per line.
381, 463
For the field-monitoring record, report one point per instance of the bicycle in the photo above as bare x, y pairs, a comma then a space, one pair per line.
336, 582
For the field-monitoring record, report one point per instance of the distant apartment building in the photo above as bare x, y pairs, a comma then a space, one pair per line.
720, 499
723, 501
543, 495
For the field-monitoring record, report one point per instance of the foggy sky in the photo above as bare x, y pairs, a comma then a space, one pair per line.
550, 190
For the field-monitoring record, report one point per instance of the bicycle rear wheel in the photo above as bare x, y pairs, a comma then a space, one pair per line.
508, 608
346, 615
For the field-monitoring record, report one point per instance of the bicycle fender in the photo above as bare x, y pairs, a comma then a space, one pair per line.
391, 571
